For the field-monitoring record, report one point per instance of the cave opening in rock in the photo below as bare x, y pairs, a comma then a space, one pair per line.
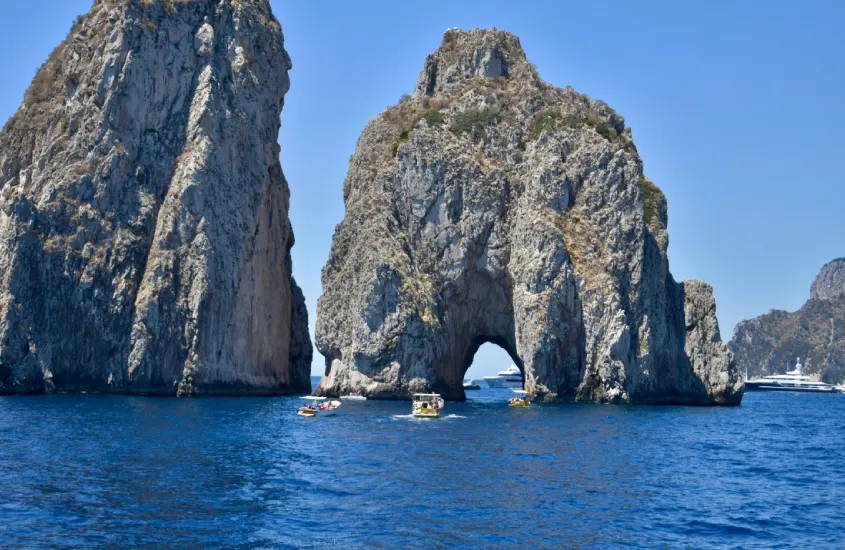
487, 357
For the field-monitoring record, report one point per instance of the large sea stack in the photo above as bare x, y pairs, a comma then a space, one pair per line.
771, 343
144, 233
489, 206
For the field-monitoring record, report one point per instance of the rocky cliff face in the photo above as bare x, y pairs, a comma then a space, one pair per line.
770, 343
144, 236
489, 206
830, 282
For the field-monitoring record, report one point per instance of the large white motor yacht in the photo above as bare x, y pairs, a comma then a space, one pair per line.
793, 381
508, 378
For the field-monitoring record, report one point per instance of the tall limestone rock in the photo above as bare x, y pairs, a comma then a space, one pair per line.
144, 233
489, 206
770, 343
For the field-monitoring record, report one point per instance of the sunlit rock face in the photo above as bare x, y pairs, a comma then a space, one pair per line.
830, 283
489, 206
144, 233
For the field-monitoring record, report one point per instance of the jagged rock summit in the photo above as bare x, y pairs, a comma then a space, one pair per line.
830, 282
770, 343
489, 206
144, 235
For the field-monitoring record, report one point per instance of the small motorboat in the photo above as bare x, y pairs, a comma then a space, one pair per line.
427, 405
307, 411
520, 399
329, 406
353, 398
310, 410
471, 385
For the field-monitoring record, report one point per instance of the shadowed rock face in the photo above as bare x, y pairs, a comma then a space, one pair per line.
770, 343
491, 207
144, 235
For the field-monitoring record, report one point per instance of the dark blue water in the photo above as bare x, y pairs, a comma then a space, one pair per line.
94, 470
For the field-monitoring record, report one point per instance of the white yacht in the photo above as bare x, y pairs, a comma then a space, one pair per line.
508, 378
793, 381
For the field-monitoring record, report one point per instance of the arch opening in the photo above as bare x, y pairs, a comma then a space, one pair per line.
486, 356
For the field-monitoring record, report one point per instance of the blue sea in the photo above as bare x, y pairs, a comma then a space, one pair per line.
102, 471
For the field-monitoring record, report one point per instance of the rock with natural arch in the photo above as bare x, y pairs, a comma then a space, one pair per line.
489, 206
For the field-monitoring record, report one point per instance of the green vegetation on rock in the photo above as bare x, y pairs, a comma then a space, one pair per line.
543, 121
433, 117
651, 194
550, 118
474, 121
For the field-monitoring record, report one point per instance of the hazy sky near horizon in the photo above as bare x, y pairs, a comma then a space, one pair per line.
736, 109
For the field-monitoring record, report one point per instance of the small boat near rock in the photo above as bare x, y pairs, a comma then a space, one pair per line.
427, 405
310, 410
306, 411
329, 406
520, 399
471, 385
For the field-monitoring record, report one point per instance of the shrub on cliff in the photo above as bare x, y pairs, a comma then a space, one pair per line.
474, 121
433, 117
650, 193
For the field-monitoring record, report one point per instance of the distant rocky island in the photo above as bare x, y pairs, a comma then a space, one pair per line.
144, 233
771, 343
490, 206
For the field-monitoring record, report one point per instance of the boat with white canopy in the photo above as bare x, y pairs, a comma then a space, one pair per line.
428, 405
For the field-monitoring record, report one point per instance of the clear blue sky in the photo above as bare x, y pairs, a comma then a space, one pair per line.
736, 107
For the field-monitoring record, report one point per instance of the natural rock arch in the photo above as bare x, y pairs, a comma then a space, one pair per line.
490, 206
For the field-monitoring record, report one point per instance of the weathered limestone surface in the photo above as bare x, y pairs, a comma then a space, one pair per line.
770, 343
144, 233
830, 283
489, 206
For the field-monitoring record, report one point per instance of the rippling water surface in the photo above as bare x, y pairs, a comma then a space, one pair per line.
93, 470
